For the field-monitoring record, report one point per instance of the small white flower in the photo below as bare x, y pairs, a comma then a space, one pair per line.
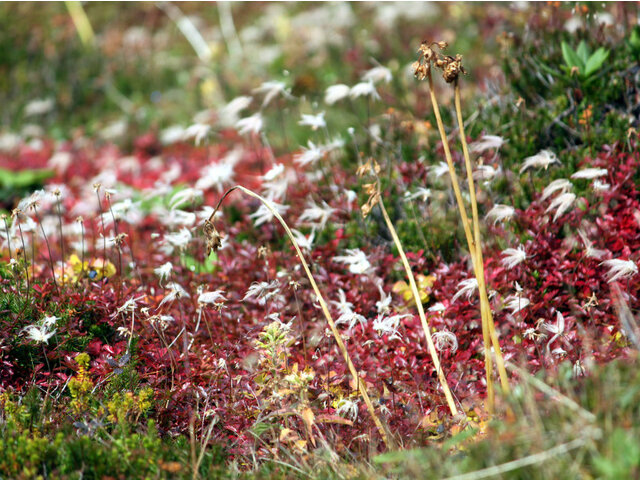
466, 288
229, 114
500, 213
263, 214
169, 135
313, 121
389, 325
377, 74
561, 184
590, 173
163, 271
38, 107
384, 304
487, 142
439, 170
304, 242
273, 173
271, 90
356, 260
561, 204
347, 315
590, 252
39, 334
620, 269
317, 215
197, 131
217, 174
49, 321
252, 124
542, 159
364, 89
513, 257
420, 193
445, 339
336, 93
309, 155
516, 303
211, 297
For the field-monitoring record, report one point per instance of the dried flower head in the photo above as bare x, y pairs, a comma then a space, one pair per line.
212, 237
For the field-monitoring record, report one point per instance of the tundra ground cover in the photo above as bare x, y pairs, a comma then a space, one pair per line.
121, 332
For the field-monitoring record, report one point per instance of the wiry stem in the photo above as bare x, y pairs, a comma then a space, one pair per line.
46, 241
470, 240
325, 310
482, 288
423, 319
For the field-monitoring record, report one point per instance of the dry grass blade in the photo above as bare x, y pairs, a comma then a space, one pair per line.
479, 262
423, 319
213, 239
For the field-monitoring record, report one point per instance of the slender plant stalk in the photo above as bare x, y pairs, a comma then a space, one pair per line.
484, 300
57, 194
6, 228
386, 437
423, 319
46, 241
470, 241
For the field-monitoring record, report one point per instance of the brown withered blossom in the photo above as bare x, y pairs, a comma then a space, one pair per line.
451, 66
212, 236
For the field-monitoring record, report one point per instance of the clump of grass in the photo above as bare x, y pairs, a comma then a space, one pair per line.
452, 68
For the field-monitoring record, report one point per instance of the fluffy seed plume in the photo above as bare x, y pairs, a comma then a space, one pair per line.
513, 256
619, 269
561, 204
562, 185
500, 213
542, 159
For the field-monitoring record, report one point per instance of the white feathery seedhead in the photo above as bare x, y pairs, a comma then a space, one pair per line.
590, 173
466, 288
313, 121
619, 269
336, 93
211, 297
487, 142
364, 89
561, 204
516, 303
541, 159
561, 184
500, 213
377, 74
513, 256
445, 339
252, 124
590, 252
356, 260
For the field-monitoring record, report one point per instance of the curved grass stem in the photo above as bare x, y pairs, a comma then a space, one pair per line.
423, 319
382, 429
